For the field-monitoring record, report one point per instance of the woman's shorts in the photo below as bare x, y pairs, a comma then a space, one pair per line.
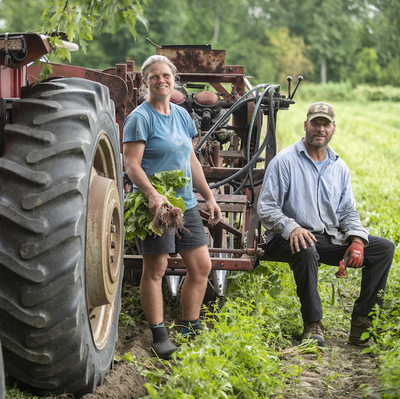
191, 236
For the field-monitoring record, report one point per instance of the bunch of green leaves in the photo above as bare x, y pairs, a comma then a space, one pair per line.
79, 18
138, 218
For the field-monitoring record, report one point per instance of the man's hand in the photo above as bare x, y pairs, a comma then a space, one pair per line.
298, 237
355, 251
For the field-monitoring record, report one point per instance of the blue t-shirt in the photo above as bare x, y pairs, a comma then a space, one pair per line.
168, 142
322, 163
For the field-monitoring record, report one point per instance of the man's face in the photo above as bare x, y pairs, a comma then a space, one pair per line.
319, 132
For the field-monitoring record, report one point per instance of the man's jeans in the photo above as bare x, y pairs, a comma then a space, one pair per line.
378, 256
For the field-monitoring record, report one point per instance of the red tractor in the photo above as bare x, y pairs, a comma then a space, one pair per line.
61, 199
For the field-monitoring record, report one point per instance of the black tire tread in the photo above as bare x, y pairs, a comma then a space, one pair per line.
44, 326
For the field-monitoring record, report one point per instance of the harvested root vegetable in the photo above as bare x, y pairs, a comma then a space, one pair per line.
167, 218
139, 221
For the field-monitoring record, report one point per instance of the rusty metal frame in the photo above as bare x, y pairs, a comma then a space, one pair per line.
199, 65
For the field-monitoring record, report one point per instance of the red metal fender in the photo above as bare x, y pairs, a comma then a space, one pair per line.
117, 87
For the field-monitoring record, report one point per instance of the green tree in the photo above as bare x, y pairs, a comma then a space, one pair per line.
165, 25
290, 52
79, 19
385, 28
328, 28
367, 69
22, 15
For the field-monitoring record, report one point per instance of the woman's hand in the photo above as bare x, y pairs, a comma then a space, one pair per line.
156, 201
214, 211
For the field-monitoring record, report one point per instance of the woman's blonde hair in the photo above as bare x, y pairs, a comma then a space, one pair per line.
144, 71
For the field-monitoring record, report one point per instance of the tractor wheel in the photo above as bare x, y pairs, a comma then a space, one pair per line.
61, 237
2, 377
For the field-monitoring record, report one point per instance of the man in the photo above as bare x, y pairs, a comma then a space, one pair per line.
308, 208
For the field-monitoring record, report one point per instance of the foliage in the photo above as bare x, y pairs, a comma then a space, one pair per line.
15, 393
131, 312
239, 357
381, 93
346, 92
139, 220
321, 35
22, 15
79, 18
286, 50
367, 68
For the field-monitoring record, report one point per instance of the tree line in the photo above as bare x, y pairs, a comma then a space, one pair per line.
353, 41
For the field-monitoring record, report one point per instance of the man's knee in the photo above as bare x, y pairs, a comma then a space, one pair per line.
308, 255
388, 247
381, 245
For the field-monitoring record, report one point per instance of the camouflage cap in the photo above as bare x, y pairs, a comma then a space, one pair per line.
322, 110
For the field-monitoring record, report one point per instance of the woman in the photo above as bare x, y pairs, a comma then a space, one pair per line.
157, 137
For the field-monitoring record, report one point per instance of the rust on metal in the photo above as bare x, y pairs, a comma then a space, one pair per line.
206, 97
135, 262
37, 46
117, 86
215, 174
189, 60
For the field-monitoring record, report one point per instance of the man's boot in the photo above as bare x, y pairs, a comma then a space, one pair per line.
359, 326
315, 331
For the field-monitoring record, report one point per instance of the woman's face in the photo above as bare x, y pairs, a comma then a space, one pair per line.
159, 81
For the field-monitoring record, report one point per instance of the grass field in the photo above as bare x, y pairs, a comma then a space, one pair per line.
368, 140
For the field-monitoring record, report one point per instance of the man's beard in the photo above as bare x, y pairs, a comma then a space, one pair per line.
318, 145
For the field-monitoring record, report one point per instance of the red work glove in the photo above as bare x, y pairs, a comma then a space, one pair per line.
356, 254
341, 273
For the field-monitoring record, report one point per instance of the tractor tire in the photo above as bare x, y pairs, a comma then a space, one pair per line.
2, 377
61, 237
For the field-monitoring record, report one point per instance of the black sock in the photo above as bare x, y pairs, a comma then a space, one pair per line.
159, 332
191, 327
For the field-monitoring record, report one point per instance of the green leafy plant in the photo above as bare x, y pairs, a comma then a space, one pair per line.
131, 312
79, 18
139, 221
15, 393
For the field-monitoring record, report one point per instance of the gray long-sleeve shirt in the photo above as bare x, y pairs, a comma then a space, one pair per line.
294, 193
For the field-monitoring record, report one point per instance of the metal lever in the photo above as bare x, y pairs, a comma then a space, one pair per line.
289, 79
299, 79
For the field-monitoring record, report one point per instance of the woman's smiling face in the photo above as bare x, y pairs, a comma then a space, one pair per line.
160, 81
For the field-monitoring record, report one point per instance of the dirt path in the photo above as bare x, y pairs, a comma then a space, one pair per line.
335, 372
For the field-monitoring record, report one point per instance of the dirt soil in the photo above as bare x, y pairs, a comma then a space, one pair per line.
337, 371
124, 381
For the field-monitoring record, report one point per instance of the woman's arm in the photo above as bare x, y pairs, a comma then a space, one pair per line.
133, 155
